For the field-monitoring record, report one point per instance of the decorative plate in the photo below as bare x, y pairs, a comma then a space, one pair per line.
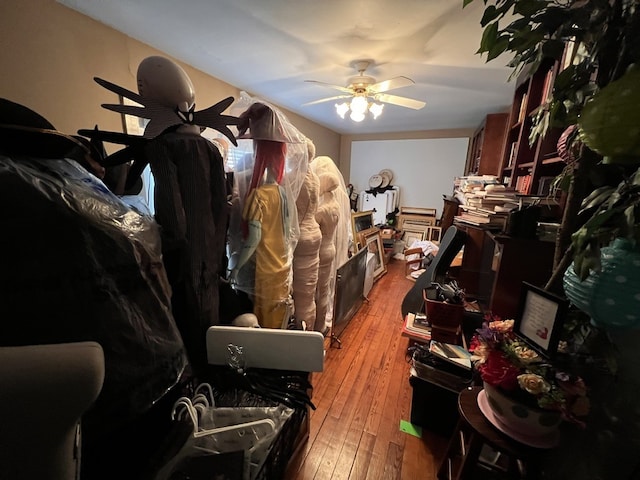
388, 173
386, 179
375, 181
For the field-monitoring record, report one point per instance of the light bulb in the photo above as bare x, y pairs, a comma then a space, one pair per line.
376, 109
342, 108
359, 105
356, 116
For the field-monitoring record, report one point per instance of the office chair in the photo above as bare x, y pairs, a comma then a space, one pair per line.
450, 244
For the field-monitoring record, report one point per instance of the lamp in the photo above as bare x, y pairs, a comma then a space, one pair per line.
359, 106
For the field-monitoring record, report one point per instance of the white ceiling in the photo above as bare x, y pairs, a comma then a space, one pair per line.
270, 47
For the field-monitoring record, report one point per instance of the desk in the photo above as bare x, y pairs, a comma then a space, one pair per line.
474, 431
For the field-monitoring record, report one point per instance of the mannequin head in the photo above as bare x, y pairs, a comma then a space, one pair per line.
328, 182
311, 150
166, 82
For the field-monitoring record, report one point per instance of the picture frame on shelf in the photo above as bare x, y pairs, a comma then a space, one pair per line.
361, 221
540, 318
373, 244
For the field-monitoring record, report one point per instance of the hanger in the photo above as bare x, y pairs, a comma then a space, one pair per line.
192, 411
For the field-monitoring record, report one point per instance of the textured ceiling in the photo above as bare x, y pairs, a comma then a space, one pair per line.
270, 47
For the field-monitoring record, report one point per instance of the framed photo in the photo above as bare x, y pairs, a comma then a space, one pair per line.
373, 243
131, 124
361, 221
432, 234
410, 235
363, 234
540, 318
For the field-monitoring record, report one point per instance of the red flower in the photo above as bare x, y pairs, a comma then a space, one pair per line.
499, 371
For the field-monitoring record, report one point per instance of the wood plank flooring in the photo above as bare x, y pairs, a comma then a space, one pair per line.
363, 394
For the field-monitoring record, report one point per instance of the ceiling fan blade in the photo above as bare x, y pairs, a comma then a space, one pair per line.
328, 99
396, 82
401, 101
335, 87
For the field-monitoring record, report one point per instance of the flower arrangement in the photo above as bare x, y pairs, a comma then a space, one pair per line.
507, 363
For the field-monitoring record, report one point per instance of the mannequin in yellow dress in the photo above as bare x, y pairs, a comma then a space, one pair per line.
266, 213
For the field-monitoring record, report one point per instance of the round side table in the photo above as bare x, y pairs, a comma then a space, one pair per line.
472, 432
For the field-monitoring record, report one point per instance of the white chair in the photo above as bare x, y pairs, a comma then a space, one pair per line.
44, 391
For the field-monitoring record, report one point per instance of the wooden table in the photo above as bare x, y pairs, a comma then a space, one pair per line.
472, 433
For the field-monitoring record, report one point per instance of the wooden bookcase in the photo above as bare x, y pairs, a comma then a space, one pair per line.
486, 149
527, 167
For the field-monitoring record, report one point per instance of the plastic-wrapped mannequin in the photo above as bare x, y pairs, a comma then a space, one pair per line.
323, 164
306, 258
327, 216
279, 150
266, 213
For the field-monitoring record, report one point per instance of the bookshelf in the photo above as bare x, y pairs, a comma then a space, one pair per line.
485, 152
527, 167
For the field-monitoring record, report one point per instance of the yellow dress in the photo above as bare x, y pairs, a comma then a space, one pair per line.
267, 206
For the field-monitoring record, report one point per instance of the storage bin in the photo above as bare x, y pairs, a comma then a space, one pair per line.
443, 314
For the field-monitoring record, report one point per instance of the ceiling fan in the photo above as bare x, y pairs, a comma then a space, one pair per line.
367, 94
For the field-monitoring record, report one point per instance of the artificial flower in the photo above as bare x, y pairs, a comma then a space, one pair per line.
505, 361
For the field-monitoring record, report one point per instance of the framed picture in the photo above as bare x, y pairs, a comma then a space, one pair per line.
131, 124
411, 235
373, 243
540, 318
361, 221
362, 234
432, 234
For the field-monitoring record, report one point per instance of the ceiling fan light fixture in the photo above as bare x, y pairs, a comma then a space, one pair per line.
356, 116
376, 109
359, 105
342, 108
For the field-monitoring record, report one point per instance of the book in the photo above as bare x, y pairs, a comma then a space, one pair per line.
456, 354
420, 334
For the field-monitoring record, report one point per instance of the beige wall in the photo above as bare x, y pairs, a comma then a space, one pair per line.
49, 55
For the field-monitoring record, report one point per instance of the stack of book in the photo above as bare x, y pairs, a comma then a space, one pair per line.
488, 207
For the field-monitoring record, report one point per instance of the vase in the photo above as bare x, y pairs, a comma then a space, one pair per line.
611, 296
529, 425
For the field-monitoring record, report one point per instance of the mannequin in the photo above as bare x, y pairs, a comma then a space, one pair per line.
327, 216
343, 236
306, 258
266, 214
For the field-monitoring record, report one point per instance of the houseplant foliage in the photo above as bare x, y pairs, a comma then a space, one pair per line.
605, 35
602, 192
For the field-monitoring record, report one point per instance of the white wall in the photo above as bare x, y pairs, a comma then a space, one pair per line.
423, 169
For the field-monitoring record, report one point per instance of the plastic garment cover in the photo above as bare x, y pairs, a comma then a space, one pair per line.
343, 234
253, 207
79, 264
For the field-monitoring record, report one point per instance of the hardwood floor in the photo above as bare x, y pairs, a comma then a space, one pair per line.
362, 395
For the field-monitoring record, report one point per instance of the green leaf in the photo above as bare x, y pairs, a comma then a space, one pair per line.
466, 2
498, 48
553, 48
490, 14
489, 38
596, 198
528, 8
